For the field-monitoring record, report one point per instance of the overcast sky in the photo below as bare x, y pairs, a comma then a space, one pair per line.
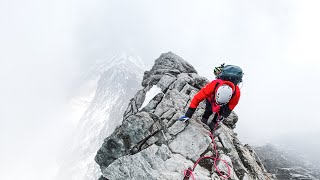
46, 45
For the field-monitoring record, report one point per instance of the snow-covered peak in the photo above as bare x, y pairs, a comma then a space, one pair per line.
133, 62
121, 63
99, 104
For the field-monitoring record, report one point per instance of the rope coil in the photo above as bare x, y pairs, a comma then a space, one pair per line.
189, 172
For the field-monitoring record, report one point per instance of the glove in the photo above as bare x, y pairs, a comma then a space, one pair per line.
183, 118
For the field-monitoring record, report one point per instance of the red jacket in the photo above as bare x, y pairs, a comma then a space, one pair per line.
207, 92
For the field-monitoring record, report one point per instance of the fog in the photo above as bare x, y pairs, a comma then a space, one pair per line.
47, 45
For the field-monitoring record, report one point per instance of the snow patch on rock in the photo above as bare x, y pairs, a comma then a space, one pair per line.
155, 90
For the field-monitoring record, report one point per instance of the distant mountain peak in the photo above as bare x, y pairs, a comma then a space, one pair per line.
119, 59
286, 164
112, 82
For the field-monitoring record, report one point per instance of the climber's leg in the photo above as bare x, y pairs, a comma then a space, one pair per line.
207, 112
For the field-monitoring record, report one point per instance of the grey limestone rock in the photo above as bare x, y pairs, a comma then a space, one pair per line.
167, 63
225, 165
231, 120
165, 82
176, 128
153, 103
152, 144
195, 141
152, 163
134, 129
135, 103
173, 99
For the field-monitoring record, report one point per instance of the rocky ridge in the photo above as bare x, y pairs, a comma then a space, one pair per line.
152, 144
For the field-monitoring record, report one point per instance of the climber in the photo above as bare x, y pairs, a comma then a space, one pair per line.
222, 95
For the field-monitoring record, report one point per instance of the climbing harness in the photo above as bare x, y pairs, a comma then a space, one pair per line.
189, 172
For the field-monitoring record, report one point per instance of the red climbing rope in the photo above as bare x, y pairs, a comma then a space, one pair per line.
189, 172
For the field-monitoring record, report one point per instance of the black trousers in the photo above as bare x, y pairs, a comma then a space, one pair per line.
207, 113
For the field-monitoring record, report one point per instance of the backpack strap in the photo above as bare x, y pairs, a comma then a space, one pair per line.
215, 88
234, 92
214, 92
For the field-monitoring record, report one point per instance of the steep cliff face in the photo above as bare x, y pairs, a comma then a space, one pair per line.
152, 144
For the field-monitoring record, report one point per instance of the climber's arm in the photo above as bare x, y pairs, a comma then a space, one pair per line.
204, 93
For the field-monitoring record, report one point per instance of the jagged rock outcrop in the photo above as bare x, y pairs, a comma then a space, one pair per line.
152, 144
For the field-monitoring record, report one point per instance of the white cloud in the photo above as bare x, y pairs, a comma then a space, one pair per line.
305, 36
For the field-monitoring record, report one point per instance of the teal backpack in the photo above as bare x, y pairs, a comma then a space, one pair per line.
231, 73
